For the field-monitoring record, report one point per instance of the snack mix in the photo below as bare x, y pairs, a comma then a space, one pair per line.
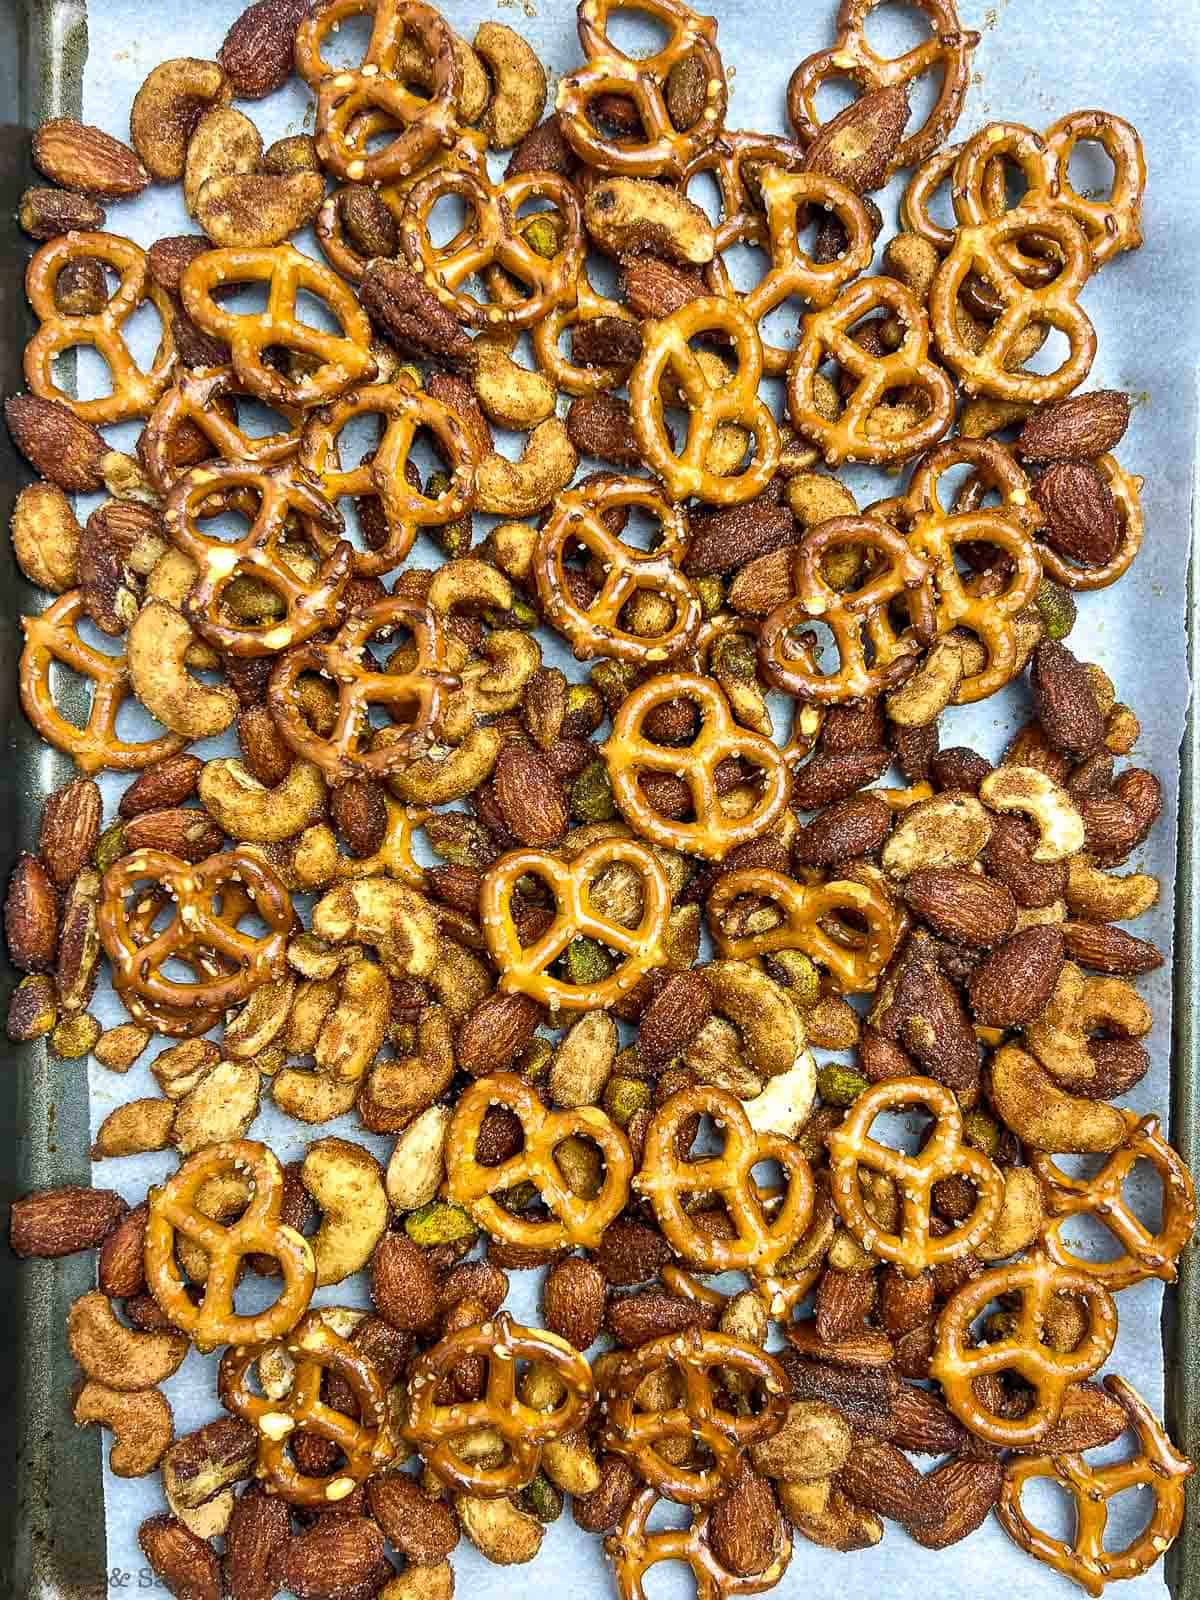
572, 1084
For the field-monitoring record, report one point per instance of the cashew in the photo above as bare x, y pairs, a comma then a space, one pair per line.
636, 216
1041, 1114
178, 1069
141, 1425
315, 999
311, 1097
397, 1091
569, 1463
134, 1128
208, 1521
260, 1021
511, 395
460, 980
223, 142
714, 1055
522, 488
357, 1025
421, 1583
583, 1061
495, 682
1080, 1006
412, 66
171, 579
1020, 1218
815, 497
417, 1166
347, 1184
221, 1106
814, 1442
948, 831
469, 585
826, 1516
387, 914
519, 79
499, 1530
45, 537
1047, 805
922, 698
445, 775
770, 1027
1101, 896
119, 1356
165, 109
156, 648
786, 1103
249, 811
510, 545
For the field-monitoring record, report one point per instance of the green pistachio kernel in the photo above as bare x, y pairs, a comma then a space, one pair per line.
591, 794
839, 1085
439, 1223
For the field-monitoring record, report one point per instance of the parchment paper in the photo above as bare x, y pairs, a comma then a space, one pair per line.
1036, 62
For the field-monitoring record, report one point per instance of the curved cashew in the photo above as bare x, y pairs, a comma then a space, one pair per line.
507, 660
1108, 896
357, 1025
249, 811
165, 109
412, 66
397, 1091
386, 913
630, 216
141, 1425
511, 546
499, 1530
1043, 1115
519, 96
1020, 1218
435, 779
469, 584
346, 1182
786, 1103
260, 1021
828, 1517
156, 650
118, 1356
511, 395
1079, 1007
223, 142
771, 1030
171, 579
522, 488
1047, 805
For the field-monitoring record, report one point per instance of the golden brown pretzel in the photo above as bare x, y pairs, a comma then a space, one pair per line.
578, 517
174, 1212
345, 358
96, 746
1156, 1466
524, 968
634, 1552
713, 833
662, 150
854, 435
422, 122
195, 400
738, 163
957, 1362
1113, 221
133, 391
666, 349
365, 1441
851, 56
564, 372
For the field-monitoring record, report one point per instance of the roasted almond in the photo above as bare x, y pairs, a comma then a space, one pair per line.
76, 155
1080, 513
57, 443
1076, 429
926, 1425
184, 831
762, 584
604, 1507
631, 1252
166, 784
880, 1477
961, 906
259, 1526
918, 1008
655, 288
495, 1032
827, 777
1015, 981
600, 425
954, 1500
257, 50
857, 146
845, 831
359, 812
573, 1297
530, 798
57, 1222
403, 1288
1065, 701
420, 1526
70, 829
1103, 948
47, 213
745, 1525
184, 1562
634, 1319
724, 541
674, 1017
843, 1300
202, 1463
545, 149
338, 1555
31, 916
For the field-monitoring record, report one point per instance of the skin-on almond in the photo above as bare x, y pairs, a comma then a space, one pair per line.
961, 905
1065, 701
1080, 513
844, 831
31, 916
674, 1017
495, 1032
825, 778
421, 1527
257, 52
58, 444
70, 829
1076, 429
57, 1222
184, 1562
1015, 982
745, 1525
857, 146
403, 1287
259, 1526
530, 798
573, 1297
76, 155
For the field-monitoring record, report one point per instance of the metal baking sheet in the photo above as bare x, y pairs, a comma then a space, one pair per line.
72, 1527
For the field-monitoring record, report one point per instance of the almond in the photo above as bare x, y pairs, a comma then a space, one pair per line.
168, 783
844, 831
606, 342
864, 1395
421, 1526
926, 1425
57, 1222
459, 396
530, 798
70, 829
257, 51
914, 749
724, 541
842, 1303
1081, 515
259, 1526
745, 1526
1076, 429
183, 1561
32, 1008
495, 1032
600, 425
76, 155
859, 726
1090, 1417
1015, 982
830, 776
857, 146
1008, 856
31, 916
58, 444
183, 831
167, 258
883, 1479
202, 1463
119, 1270
959, 768
545, 149
961, 905
954, 1500
635, 1319
1065, 701
403, 1288
604, 1507
655, 288
1103, 948
79, 942
762, 584
359, 812
573, 1296
918, 1008
674, 1017
338, 1554
108, 585
631, 1252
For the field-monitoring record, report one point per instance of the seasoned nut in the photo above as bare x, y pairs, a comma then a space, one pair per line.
633, 216
166, 109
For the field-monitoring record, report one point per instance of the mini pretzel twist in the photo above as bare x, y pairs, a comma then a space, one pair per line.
435, 1429
365, 1442
1125, 488
948, 51
565, 373
662, 150
944, 1154
174, 1213
634, 1552
739, 162
423, 122
666, 349
405, 411
194, 400
852, 959
140, 955
1112, 222
493, 239
856, 435
524, 968
1145, 1254
665, 1179
786, 197
806, 720
414, 694
627, 753
579, 518
133, 391
282, 491
979, 248
576, 1221
699, 1418
96, 747
856, 618
345, 358
957, 1362
1156, 1466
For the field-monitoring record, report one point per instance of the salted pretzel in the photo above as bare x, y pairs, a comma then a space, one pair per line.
436, 1430
628, 753
786, 197
634, 1552
174, 1214
345, 358
524, 968
699, 1418
546, 338
978, 249
413, 694
1086, 1559
666, 350
423, 123
857, 434
805, 911
661, 150
1113, 221
665, 1180
138, 961
738, 163
1145, 1253
494, 239
404, 411
1125, 488
856, 618
937, 534
957, 1362
574, 1220
276, 494
365, 1441
96, 746
133, 391
913, 1248
206, 400
948, 51
578, 518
